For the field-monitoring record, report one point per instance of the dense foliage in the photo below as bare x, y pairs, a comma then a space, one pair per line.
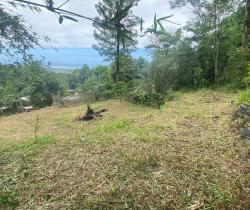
31, 80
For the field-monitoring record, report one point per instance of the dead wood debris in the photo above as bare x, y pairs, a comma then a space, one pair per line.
91, 114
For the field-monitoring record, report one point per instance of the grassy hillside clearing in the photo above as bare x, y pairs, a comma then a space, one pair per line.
182, 156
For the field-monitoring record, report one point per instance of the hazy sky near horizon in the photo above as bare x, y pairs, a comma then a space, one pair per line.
71, 34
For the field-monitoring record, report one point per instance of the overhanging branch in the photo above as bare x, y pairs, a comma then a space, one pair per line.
58, 10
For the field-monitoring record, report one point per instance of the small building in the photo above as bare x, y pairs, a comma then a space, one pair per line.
25, 104
4, 110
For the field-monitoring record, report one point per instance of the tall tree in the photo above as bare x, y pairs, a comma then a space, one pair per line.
216, 22
115, 27
211, 15
246, 26
219, 10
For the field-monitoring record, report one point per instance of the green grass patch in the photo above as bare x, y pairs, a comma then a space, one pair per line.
15, 164
30, 147
144, 165
65, 122
8, 200
114, 126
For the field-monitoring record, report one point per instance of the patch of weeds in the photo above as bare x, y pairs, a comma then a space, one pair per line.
116, 198
171, 95
244, 97
93, 139
8, 200
15, 165
114, 126
65, 123
228, 89
159, 128
143, 165
12, 130
219, 195
148, 134
140, 134
194, 114
248, 149
22, 153
28, 148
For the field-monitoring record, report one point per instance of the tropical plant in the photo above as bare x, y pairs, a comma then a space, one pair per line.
115, 27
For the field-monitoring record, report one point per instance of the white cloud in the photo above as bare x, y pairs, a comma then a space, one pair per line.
71, 34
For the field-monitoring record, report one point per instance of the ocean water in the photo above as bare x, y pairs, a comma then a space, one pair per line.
70, 58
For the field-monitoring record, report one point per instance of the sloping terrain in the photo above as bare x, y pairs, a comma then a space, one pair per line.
182, 156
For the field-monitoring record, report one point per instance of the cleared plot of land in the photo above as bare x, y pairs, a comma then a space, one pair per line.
181, 156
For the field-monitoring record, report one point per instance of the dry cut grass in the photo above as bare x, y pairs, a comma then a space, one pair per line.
184, 156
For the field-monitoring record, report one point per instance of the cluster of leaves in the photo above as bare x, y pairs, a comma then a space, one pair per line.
146, 95
30, 79
115, 24
15, 36
157, 28
244, 97
99, 84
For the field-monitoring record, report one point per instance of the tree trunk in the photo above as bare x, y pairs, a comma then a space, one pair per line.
216, 60
117, 72
246, 26
216, 44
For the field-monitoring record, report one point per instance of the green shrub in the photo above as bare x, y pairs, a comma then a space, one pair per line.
170, 95
146, 97
246, 80
121, 89
244, 97
237, 69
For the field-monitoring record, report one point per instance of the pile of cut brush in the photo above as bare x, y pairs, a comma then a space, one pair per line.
90, 114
